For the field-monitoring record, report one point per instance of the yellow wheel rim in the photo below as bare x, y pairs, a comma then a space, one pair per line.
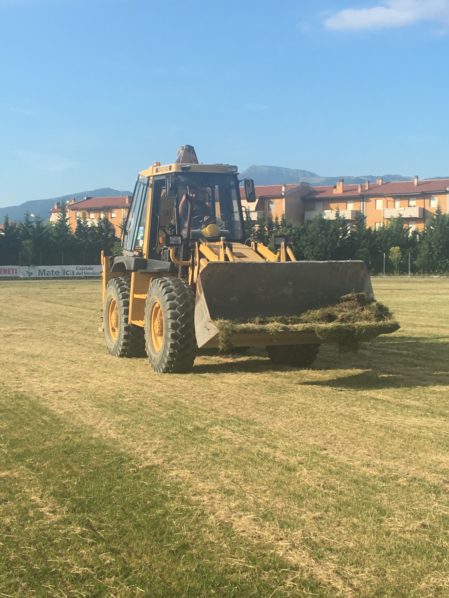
157, 326
113, 319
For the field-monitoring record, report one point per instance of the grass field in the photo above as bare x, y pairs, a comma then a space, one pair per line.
236, 480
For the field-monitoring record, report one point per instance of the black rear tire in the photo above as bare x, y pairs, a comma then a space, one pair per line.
298, 356
122, 338
169, 326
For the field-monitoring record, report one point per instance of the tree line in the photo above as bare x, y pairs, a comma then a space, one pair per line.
393, 248
34, 242
390, 249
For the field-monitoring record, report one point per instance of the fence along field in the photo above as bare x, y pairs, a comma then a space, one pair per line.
237, 479
27, 272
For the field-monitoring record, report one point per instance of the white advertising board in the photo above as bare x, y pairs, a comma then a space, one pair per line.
33, 272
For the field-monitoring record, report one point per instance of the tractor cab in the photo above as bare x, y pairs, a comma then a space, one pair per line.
193, 203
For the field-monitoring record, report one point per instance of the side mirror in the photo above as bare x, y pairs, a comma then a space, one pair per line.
250, 190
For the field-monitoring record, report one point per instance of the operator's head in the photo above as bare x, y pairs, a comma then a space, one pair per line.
199, 194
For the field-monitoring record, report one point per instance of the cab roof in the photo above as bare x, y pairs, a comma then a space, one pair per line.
157, 169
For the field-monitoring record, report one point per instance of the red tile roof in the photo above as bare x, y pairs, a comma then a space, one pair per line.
385, 189
270, 191
100, 203
357, 190
328, 191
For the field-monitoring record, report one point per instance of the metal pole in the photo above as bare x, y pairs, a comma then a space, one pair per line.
409, 263
384, 262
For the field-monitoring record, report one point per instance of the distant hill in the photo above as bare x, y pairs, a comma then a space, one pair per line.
272, 175
275, 175
42, 207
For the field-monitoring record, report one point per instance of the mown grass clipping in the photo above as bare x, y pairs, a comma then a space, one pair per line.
353, 319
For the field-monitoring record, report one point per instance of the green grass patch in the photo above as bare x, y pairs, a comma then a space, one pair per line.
80, 517
238, 479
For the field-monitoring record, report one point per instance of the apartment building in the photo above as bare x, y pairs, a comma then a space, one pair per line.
93, 209
279, 201
416, 201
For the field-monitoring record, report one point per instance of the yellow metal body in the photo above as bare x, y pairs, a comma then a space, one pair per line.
203, 252
231, 281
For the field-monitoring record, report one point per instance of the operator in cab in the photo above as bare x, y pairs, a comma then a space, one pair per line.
196, 210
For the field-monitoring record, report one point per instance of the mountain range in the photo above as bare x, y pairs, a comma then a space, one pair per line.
262, 175
273, 175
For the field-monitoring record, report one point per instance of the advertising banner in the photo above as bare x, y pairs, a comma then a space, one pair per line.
35, 272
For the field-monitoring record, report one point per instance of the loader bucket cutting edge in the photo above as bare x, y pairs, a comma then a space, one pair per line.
244, 291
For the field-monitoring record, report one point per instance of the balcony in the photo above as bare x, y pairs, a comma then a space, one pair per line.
332, 214
408, 213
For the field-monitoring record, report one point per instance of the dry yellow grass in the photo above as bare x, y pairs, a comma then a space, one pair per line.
341, 472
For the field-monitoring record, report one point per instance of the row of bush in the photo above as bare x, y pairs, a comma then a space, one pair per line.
33, 242
391, 249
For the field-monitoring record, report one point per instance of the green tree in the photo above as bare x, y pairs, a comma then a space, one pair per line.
433, 255
82, 240
395, 256
62, 239
362, 240
10, 244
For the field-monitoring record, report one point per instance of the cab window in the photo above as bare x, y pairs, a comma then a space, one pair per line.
133, 237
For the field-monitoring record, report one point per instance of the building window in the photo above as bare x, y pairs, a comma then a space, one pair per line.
350, 205
412, 203
78, 214
92, 215
397, 204
102, 215
379, 204
379, 225
434, 201
113, 214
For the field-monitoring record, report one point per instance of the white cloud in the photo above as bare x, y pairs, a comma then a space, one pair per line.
389, 14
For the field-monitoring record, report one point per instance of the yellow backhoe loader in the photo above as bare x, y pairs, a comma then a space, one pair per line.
186, 278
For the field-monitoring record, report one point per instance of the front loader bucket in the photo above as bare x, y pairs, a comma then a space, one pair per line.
239, 291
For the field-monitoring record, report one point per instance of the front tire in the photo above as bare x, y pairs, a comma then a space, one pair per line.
169, 326
122, 338
297, 356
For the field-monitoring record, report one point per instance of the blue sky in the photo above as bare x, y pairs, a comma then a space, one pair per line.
94, 90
